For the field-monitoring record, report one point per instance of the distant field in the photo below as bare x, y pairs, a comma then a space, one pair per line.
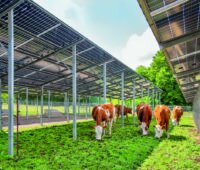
53, 148
32, 109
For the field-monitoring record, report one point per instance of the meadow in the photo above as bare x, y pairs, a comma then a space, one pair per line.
52, 147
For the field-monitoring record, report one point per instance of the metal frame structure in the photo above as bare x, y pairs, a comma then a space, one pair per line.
176, 26
50, 55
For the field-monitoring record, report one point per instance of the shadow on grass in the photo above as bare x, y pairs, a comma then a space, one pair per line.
177, 138
186, 126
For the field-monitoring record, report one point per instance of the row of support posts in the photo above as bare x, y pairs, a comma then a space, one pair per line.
74, 90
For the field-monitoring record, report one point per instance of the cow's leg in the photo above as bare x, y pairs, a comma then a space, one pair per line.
110, 126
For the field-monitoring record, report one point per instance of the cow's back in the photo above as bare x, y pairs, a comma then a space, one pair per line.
144, 113
162, 114
110, 107
177, 112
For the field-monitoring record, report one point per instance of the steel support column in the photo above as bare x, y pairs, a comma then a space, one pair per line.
133, 104
89, 104
156, 98
104, 82
10, 82
49, 103
122, 96
159, 98
41, 107
86, 104
148, 96
37, 104
153, 101
26, 103
1, 122
74, 90
142, 93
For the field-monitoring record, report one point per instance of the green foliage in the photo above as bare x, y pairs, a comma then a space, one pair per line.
161, 75
179, 152
53, 148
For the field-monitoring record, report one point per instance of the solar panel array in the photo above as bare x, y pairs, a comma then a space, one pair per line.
176, 25
43, 56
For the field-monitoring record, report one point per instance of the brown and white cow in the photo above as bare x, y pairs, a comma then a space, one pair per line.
162, 116
177, 113
127, 111
144, 114
103, 114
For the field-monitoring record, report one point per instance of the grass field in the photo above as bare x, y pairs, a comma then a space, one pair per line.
32, 109
53, 148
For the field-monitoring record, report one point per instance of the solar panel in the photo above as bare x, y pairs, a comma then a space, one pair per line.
43, 54
175, 24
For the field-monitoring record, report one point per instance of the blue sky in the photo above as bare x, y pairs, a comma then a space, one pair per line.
116, 25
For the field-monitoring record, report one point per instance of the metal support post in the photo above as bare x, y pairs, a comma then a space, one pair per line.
148, 96
10, 82
41, 111
122, 93
104, 82
74, 91
26, 103
153, 101
49, 103
1, 112
133, 104
37, 104
142, 93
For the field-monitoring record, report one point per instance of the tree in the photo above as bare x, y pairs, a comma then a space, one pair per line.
161, 75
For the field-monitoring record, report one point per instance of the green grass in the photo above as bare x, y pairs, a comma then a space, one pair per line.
32, 109
53, 148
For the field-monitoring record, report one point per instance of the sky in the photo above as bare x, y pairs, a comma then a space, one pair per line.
118, 26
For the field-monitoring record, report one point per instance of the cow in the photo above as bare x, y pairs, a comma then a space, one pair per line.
162, 116
103, 114
177, 113
144, 114
127, 111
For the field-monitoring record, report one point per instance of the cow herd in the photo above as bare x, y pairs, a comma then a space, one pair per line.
105, 114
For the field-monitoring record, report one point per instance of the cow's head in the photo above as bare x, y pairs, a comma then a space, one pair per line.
98, 130
158, 131
174, 122
144, 128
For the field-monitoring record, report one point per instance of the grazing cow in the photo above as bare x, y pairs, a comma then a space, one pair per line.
162, 116
103, 114
177, 113
144, 114
127, 111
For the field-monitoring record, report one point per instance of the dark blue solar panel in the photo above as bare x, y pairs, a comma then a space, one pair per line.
4, 4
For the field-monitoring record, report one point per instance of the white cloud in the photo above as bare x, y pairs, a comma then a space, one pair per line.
140, 49
69, 11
